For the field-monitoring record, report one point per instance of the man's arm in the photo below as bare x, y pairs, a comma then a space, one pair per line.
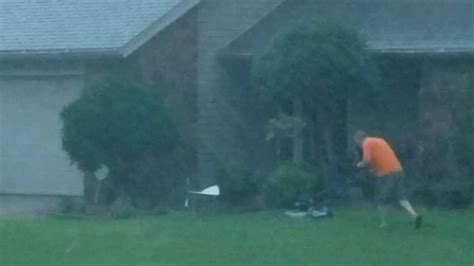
362, 164
366, 156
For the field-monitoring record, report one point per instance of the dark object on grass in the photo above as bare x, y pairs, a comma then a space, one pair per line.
306, 208
418, 220
303, 205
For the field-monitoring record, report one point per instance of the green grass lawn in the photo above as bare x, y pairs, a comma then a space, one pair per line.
266, 238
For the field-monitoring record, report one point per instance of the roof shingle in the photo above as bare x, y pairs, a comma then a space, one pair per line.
75, 24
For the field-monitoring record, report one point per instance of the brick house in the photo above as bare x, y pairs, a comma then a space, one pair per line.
199, 52
50, 50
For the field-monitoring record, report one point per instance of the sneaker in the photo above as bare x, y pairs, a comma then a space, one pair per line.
418, 220
330, 214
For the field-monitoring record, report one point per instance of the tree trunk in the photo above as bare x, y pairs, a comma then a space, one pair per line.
332, 159
329, 155
321, 146
298, 134
312, 140
278, 149
328, 158
90, 187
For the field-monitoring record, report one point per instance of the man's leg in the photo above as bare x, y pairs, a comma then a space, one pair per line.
382, 213
382, 190
404, 202
407, 206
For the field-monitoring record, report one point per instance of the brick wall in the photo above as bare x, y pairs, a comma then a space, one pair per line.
219, 22
442, 94
168, 63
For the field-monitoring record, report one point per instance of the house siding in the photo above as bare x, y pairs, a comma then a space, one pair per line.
167, 63
442, 94
219, 22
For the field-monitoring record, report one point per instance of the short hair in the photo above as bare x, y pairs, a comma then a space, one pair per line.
359, 135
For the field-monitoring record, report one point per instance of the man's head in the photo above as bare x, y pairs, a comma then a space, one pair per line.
359, 137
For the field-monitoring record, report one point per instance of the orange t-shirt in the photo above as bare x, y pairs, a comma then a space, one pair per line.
379, 154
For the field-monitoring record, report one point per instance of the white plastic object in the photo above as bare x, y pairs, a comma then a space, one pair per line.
210, 191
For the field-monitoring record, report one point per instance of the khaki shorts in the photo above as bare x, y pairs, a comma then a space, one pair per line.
390, 187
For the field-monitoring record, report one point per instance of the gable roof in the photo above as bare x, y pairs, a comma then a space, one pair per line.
402, 26
74, 26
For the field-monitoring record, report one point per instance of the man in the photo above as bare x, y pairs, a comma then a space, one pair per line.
377, 154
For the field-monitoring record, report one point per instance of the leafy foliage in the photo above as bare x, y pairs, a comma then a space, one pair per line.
291, 182
70, 205
238, 183
320, 62
310, 72
118, 124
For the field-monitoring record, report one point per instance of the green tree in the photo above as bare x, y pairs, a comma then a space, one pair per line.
310, 72
121, 125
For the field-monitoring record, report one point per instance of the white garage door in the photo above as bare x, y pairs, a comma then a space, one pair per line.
31, 158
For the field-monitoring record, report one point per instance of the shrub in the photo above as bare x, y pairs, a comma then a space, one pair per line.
237, 182
116, 123
291, 182
70, 205
122, 208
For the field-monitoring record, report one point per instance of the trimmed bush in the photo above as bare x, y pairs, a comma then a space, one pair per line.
119, 124
69, 205
291, 182
237, 182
